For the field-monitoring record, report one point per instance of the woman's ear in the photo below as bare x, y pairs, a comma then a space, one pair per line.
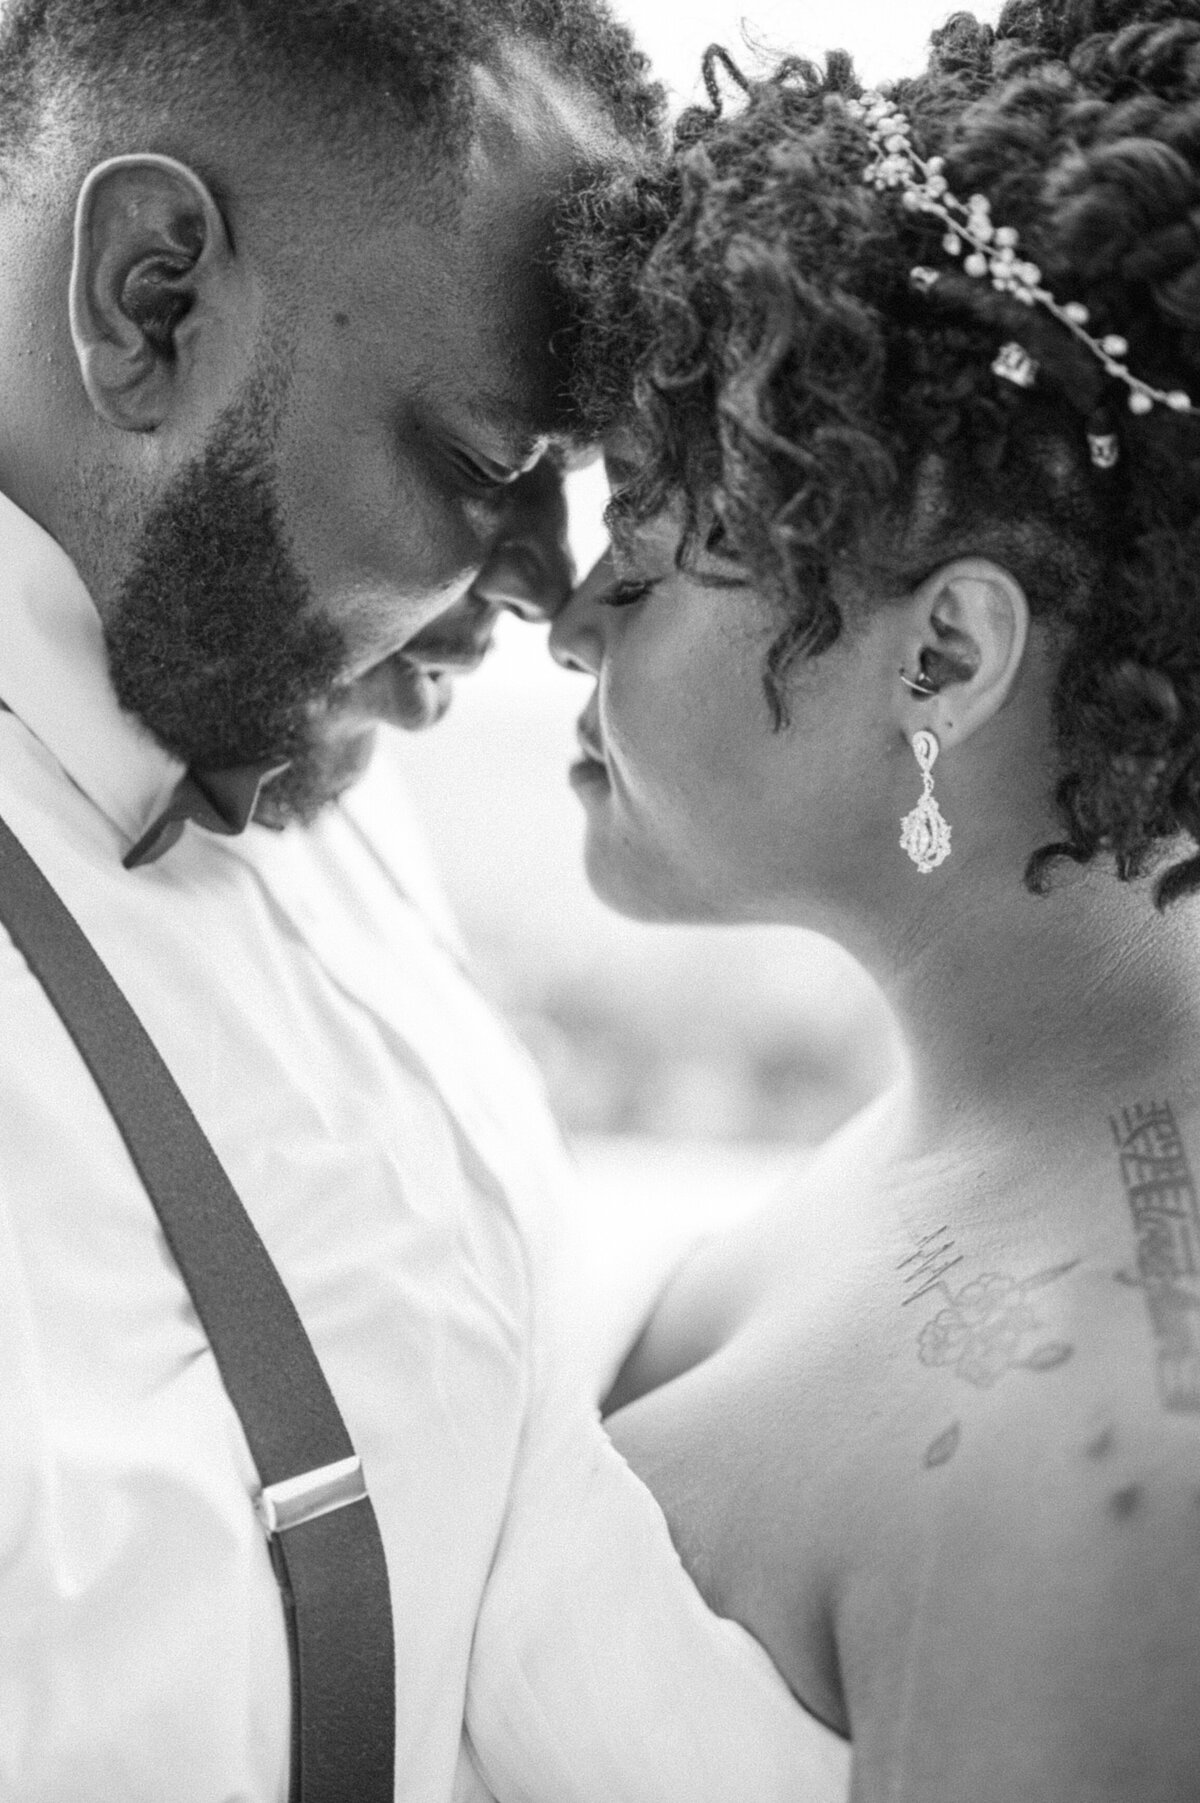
154, 281
965, 635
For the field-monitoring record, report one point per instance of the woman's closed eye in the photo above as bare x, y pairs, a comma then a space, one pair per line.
629, 590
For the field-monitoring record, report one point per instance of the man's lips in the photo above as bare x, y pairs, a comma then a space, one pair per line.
413, 689
453, 657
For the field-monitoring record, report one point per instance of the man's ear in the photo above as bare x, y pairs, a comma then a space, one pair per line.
966, 629
154, 283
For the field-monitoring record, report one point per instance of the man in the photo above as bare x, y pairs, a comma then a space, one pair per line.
282, 396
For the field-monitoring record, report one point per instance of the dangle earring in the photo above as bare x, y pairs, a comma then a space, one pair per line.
925, 833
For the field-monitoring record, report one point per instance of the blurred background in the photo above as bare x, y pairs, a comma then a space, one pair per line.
688, 1066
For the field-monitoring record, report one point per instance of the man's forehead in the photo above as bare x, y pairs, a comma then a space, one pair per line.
469, 302
524, 103
515, 309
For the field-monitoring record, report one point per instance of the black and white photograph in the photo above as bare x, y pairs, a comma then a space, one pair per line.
599, 867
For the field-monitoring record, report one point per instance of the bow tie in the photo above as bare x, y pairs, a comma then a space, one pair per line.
221, 801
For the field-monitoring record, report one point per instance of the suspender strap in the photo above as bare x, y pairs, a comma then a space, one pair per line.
324, 1539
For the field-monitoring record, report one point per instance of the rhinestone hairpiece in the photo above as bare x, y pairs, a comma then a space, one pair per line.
991, 253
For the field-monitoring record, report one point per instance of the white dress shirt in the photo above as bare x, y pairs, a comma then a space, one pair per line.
390, 1145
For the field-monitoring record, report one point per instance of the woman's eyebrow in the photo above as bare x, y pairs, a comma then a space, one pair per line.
621, 471
632, 565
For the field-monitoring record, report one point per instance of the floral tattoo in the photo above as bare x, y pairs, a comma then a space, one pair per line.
989, 1327
984, 1329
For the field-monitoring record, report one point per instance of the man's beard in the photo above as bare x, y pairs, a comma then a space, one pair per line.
215, 642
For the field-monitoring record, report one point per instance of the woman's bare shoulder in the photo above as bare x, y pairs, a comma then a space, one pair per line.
1018, 1583
1022, 1621
978, 1453
725, 1283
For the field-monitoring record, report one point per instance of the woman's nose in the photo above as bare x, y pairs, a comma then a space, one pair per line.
577, 631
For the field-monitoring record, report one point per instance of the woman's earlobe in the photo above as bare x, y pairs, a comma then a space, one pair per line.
150, 247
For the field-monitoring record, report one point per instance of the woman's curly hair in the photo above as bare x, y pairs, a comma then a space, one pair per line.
793, 390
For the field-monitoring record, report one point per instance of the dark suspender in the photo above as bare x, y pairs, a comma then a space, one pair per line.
323, 1535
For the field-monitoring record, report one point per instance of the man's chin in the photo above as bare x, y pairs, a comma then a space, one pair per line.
397, 692
323, 771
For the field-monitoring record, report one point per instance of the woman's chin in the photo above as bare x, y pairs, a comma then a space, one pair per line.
626, 871
632, 886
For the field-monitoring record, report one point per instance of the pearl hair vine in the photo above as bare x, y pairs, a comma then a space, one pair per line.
990, 252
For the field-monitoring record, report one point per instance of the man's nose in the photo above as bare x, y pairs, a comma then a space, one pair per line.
529, 568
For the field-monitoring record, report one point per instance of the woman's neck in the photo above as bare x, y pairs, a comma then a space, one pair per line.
1016, 1006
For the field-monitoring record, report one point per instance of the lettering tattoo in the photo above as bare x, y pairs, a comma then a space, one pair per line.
1166, 1222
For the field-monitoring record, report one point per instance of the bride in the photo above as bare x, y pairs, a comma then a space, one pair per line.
900, 640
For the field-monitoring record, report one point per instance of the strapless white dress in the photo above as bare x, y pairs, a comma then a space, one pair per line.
598, 1673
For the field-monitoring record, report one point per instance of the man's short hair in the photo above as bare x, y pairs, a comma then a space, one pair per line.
405, 63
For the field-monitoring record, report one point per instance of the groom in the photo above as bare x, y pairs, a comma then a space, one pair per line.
282, 378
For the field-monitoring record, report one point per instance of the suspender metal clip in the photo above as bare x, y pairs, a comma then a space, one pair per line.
297, 1499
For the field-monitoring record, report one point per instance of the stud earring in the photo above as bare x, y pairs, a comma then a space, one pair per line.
925, 833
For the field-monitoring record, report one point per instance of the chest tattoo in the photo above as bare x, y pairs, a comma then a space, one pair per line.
984, 1329
1161, 1197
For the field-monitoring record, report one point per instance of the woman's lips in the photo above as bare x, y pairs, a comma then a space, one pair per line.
592, 768
588, 741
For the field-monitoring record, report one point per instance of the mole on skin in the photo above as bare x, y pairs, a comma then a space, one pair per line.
1102, 1445
1124, 1503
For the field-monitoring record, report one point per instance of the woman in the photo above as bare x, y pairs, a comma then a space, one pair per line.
914, 474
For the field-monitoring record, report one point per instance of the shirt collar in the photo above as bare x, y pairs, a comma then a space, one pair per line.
54, 678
